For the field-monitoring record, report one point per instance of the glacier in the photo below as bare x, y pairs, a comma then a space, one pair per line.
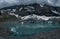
6, 3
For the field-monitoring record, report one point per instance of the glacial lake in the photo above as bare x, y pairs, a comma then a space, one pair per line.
21, 29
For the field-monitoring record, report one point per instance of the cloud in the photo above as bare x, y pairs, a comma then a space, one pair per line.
5, 3
9, 1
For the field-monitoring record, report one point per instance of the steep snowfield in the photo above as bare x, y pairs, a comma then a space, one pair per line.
33, 16
5, 3
36, 17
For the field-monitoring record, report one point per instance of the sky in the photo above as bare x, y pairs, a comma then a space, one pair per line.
6, 3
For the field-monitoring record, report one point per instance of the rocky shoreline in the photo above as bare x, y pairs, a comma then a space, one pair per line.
43, 35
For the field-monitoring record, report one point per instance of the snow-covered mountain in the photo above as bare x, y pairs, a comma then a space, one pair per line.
23, 10
31, 11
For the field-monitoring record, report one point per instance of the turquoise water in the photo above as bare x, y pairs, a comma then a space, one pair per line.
20, 29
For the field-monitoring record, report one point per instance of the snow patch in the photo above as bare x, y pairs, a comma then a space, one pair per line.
14, 14
56, 12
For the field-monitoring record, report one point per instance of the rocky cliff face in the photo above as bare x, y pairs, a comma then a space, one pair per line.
23, 10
